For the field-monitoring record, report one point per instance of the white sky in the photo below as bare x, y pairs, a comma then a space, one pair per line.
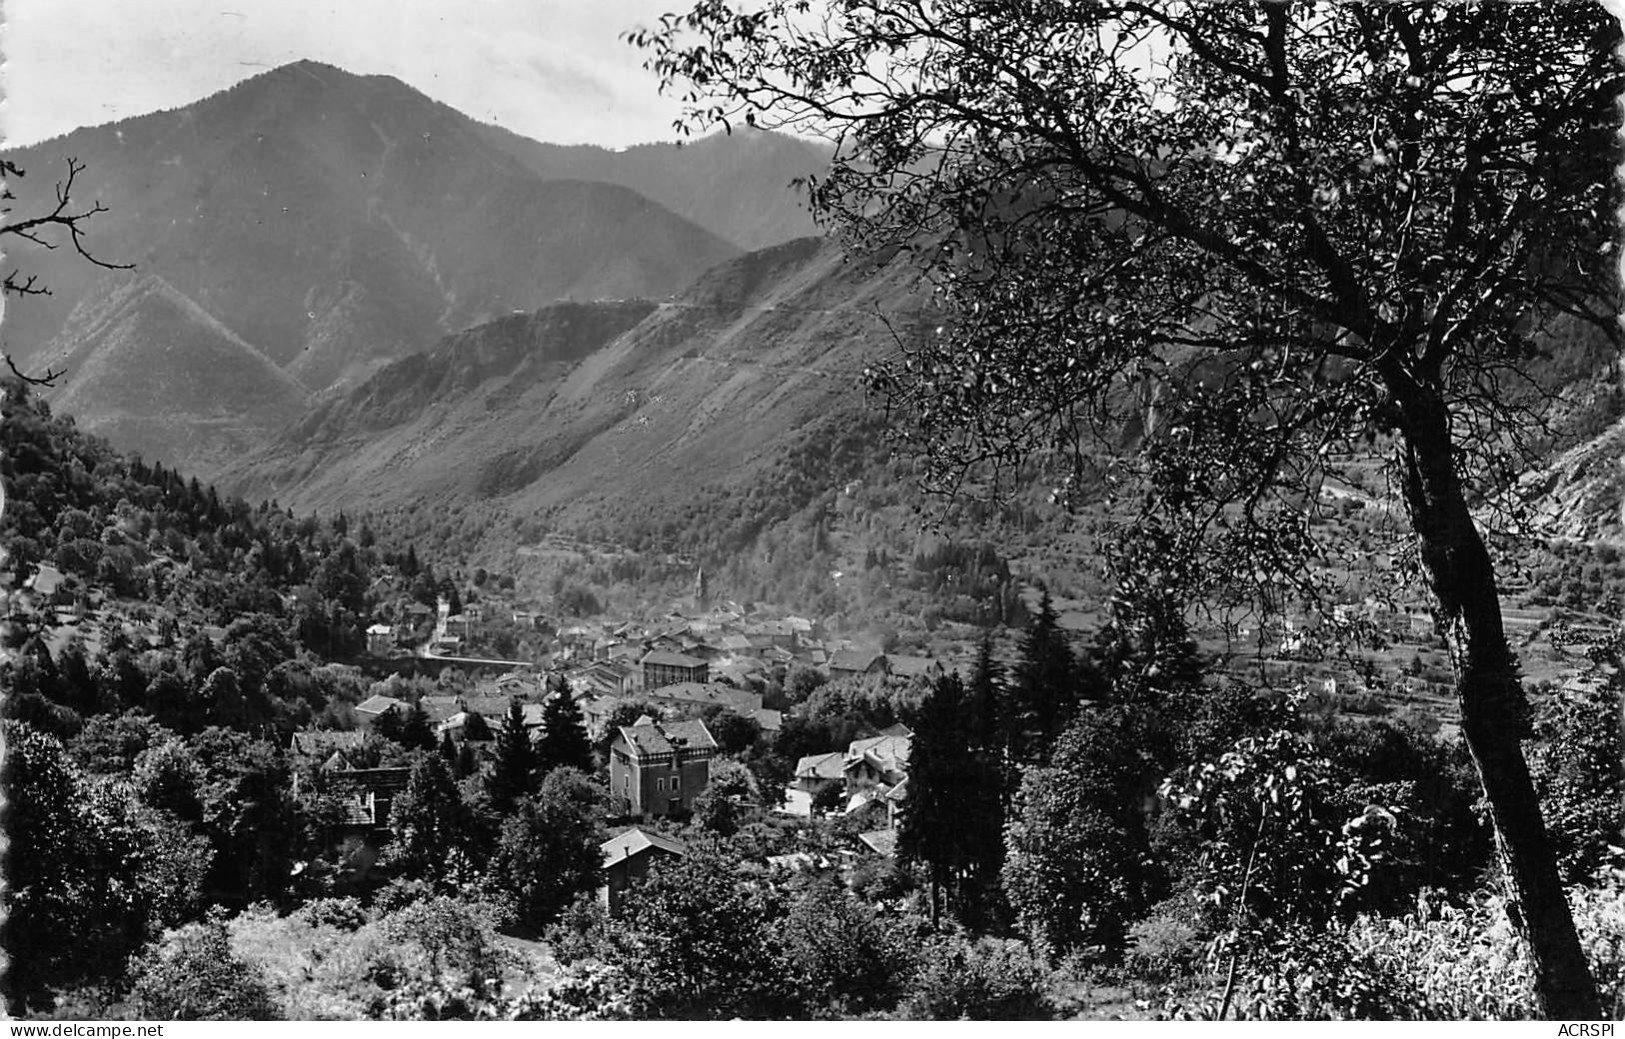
554, 70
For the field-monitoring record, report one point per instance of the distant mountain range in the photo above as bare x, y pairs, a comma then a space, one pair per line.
306, 227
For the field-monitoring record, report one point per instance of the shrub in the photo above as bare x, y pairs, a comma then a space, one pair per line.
400, 893
191, 974
847, 962
1169, 943
988, 979
582, 932
584, 992
1294, 973
455, 936
1445, 963
344, 914
1576, 766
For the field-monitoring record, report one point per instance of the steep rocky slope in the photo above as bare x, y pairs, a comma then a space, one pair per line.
563, 416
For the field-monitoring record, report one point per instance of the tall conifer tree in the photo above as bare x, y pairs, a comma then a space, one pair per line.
564, 742
513, 775
1045, 692
952, 820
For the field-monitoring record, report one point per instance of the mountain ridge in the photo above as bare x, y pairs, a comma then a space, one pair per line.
336, 223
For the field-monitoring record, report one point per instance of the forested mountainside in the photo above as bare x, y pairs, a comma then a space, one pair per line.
724, 410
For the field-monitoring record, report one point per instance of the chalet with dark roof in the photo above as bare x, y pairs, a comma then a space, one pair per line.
659, 768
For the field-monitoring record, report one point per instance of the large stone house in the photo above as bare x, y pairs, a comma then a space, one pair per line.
659, 768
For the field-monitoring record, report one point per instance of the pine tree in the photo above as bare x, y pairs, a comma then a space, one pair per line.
951, 818
564, 742
985, 711
1045, 692
417, 733
513, 773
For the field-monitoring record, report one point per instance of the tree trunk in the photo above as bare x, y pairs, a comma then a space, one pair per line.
1494, 711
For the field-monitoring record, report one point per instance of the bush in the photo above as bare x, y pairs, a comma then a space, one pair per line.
344, 914
989, 979
1298, 974
1447, 963
455, 936
847, 962
1169, 943
584, 992
1467, 962
191, 974
400, 893
582, 932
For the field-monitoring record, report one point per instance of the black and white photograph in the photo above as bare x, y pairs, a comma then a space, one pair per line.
812, 510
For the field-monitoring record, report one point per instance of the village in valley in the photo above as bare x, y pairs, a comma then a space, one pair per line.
650, 693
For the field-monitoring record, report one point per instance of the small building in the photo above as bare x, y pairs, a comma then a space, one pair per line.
665, 667
659, 768
770, 720
627, 858
381, 640
923, 669
603, 678
848, 663
368, 711
50, 585
368, 795
882, 842
595, 712
815, 772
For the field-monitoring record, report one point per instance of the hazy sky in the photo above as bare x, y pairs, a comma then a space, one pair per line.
550, 69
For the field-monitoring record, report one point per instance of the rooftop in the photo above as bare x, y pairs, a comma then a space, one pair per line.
636, 841
666, 737
666, 658
708, 693
378, 704
821, 766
